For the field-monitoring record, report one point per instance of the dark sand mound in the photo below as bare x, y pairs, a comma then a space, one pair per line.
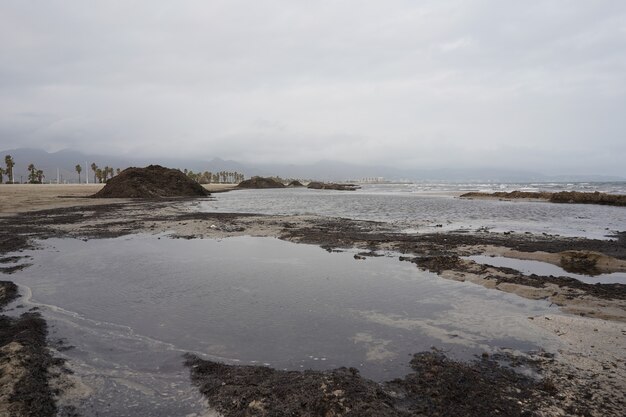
295, 183
153, 181
315, 185
588, 198
572, 197
512, 195
261, 182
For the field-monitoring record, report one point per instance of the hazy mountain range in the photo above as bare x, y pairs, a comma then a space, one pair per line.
65, 160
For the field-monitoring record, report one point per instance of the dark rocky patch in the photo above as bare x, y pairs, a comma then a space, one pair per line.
440, 263
511, 195
571, 197
261, 182
8, 292
32, 395
11, 242
437, 386
11, 259
315, 185
588, 198
580, 262
12, 269
153, 181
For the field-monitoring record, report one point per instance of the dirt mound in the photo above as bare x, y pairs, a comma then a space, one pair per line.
153, 181
261, 182
295, 183
315, 185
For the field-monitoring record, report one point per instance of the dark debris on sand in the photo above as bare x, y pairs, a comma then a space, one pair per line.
316, 185
437, 386
442, 263
571, 197
23, 350
31, 394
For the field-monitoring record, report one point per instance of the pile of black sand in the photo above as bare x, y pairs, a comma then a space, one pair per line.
261, 182
153, 181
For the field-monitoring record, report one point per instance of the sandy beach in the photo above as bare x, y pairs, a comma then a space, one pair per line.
593, 336
20, 198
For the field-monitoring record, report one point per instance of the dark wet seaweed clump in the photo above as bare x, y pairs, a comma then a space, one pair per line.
437, 386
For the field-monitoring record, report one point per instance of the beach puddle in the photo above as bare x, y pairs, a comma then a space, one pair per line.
131, 306
529, 267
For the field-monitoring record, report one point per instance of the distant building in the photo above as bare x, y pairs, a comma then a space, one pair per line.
373, 180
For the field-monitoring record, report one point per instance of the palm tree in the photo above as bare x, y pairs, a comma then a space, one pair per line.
32, 176
8, 160
1, 174
40, 176
94, 167
78, 169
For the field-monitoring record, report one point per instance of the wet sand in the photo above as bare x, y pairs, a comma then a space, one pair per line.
586, 377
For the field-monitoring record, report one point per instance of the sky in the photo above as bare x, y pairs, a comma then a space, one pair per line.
537, 85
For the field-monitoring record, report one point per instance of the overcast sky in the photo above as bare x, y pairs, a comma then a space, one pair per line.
520, 84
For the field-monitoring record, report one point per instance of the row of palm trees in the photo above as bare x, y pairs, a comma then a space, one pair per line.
224, 177
101, 175
35, 176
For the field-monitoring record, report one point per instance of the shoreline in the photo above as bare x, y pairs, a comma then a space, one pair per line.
587, 358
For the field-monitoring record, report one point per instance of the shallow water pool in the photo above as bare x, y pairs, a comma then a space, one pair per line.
529, 267
131, 306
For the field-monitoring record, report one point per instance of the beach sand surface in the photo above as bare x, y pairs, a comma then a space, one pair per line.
20, 198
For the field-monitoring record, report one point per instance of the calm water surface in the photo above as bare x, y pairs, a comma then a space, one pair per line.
131, 306
529, 267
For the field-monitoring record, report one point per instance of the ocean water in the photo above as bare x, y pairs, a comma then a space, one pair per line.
422, 208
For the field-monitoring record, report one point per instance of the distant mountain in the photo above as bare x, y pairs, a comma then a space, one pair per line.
65, 160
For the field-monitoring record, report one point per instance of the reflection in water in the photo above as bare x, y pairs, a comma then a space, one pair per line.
132, 305
529, 267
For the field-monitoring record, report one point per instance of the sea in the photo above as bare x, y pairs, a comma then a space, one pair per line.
123, 311
428, 207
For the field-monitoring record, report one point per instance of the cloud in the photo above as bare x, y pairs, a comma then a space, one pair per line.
398, 83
